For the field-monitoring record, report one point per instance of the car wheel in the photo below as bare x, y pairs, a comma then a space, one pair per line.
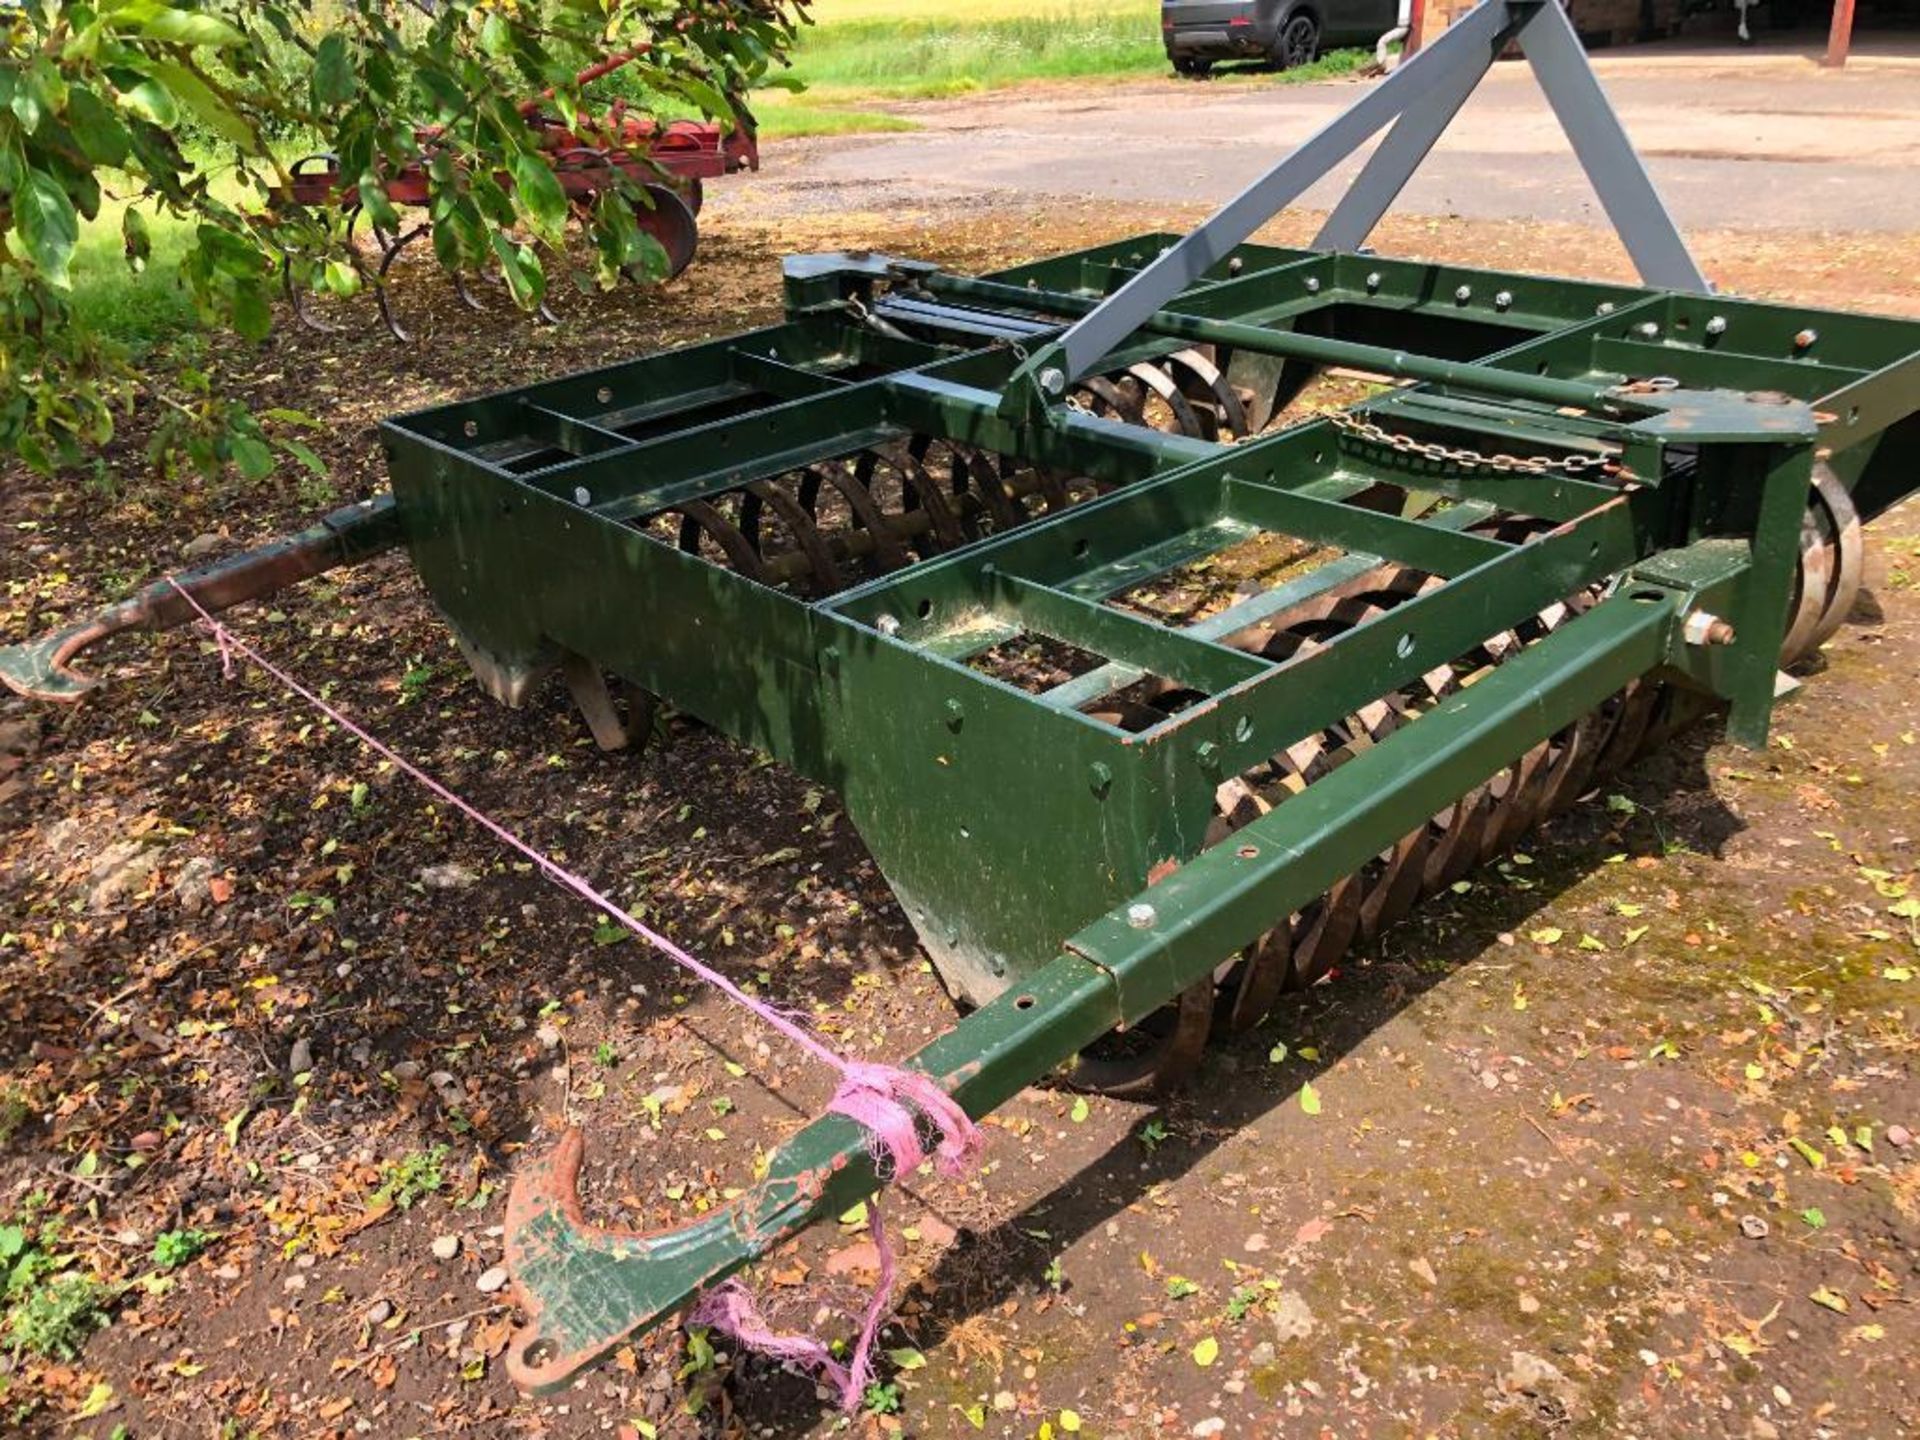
1297, 43
1193, 66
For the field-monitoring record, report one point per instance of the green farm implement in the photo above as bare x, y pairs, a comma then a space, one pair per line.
1171, 616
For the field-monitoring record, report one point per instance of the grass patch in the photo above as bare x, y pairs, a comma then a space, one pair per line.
142, 310
838, 12
934, 50
46, 1308
866, 50
411, 1179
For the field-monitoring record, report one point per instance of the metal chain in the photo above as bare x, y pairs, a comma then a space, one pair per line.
1573, 466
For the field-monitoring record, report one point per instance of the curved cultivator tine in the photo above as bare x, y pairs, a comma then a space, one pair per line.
41, 669
585, 1288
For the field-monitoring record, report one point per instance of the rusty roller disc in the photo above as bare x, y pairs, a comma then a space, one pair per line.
670, 221
1206, 388
1842, 521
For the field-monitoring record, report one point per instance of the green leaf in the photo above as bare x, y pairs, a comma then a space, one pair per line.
1080, 1110
48, 227
303, 452
194, 93
908, 1359
171, 23
134, 239
150, 101
28, 109
99, 1400
1206, 1352
1812, 1155
252, 315
97, 130
521, 267
541, 199
380, 209
496, 35
341, 278
1309, 1099
334, 81
254, 457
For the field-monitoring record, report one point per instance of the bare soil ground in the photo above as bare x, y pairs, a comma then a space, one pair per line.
1607, 1143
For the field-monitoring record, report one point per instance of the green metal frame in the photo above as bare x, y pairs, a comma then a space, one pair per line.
1660, 444
1528, 439
1020, 831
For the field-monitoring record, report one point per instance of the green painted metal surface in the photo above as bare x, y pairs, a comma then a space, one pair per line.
1507, 441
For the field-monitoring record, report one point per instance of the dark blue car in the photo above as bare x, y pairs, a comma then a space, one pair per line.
1285, 33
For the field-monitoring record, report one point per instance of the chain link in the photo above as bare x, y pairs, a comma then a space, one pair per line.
1573, 466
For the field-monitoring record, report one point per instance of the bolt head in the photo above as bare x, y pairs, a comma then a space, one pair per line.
1717, 325
1053, 380
582, 495
1649, 329
1703, 627
1503, 301
1804, 340
1373, 280
1463, 294
1141, 916
1313, 286
887, 625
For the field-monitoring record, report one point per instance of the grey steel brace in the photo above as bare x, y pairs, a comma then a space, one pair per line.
1419, 99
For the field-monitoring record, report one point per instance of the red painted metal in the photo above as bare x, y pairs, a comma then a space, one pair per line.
1416, 30
675, 153
1840, 35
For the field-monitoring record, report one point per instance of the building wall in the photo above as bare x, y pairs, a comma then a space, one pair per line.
1600, 22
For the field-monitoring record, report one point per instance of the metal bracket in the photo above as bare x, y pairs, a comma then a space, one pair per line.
1419, 99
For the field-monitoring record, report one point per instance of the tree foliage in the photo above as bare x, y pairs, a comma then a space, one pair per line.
194, 109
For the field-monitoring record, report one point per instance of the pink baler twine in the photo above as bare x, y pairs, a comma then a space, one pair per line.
888, 1102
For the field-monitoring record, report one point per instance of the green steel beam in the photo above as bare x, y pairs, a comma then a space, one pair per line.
586, 1289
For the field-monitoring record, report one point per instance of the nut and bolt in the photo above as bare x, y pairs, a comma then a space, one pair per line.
956, 715
1463, 294
582, 495
1804, 340
1503, 301
1650, 329
1053, 380
1605, 307
1705, 628
887, 625
1313, 286
1717, 326
1373, 280
1141, 916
